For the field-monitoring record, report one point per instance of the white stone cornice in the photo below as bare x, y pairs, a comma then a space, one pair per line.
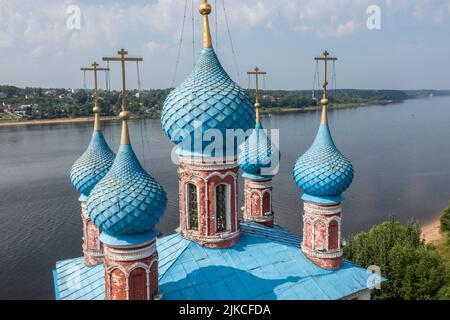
311, 208
129, 255
323, 255
220, 237
209, 164
92, 252
258, 184
260, 219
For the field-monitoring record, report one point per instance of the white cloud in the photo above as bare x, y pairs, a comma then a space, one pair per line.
33, 29
346, 28
30, 24
152, 47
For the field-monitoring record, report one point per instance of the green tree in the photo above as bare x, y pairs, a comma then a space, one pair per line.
444, 293
415, 273
413, 270
445, 219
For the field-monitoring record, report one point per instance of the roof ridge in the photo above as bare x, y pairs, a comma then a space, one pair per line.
278, 234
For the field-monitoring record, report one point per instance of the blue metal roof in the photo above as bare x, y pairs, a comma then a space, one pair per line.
207, 99
127, 201
265, 264
323, 172
75, 281
93, 165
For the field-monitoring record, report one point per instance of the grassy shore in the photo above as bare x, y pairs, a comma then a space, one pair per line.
13, 122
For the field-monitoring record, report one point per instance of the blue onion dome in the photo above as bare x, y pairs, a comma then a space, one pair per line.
256, 155
127, 201
93, 165
207, 99
323, 172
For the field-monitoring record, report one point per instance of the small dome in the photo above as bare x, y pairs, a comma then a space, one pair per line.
323, 171
207, 99
256, 153
93, 165
128, 200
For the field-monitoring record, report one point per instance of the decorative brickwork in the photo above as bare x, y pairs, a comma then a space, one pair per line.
258, 202
213, 222
92, 246
322, 234
131, 273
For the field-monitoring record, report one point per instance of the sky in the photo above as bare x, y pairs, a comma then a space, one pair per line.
405, 46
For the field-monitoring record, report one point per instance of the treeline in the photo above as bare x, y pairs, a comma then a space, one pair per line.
303, 98
414, 270
40, 103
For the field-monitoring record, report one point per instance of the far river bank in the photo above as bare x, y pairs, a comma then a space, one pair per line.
12, 122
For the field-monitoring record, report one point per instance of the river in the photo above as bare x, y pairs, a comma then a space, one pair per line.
401, 155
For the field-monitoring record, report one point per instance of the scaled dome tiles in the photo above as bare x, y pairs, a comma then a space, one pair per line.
128, 200
207, 99
93, 165
323, 171
256, 154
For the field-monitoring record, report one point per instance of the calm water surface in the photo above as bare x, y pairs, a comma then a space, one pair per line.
401, 154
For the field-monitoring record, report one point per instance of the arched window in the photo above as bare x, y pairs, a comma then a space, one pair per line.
192, 206
256, 205
221, 208
138, 284
320, 234
333, 235
267, 206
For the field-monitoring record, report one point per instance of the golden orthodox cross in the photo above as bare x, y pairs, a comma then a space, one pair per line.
95, 68
257, 72
124, 115
122, 59
326, 57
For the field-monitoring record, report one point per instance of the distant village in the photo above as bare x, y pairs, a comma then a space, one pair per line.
38, 103
30, 110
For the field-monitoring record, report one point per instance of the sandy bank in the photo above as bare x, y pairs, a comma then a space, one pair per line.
431, 231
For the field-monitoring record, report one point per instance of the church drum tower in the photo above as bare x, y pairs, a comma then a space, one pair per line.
126, 205
207, 102
258, 159
323, 174
86, 172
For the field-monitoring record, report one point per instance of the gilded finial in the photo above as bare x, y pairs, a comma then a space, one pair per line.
205, 9
324, 101
257, 72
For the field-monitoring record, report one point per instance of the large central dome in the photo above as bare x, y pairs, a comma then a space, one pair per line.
207, 99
